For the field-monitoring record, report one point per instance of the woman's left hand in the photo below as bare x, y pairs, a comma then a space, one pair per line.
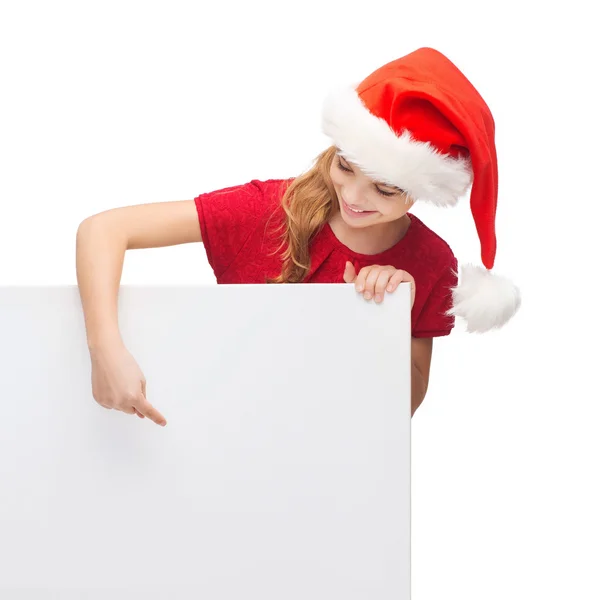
373, 281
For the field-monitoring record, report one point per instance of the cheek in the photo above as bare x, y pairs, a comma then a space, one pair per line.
387, 209
392, 209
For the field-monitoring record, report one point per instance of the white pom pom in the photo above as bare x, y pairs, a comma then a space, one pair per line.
486, 301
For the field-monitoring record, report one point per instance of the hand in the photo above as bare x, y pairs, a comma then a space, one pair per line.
374, 281
118, 382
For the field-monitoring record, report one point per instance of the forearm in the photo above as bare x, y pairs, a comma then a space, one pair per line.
417, 388
100, 252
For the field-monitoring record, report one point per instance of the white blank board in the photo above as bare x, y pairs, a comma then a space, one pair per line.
283, 471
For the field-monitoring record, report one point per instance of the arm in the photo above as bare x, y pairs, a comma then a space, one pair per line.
101, 243
421, 349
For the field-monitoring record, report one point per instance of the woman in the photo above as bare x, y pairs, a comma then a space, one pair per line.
414, 130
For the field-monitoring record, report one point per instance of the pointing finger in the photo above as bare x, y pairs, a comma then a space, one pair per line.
146, 409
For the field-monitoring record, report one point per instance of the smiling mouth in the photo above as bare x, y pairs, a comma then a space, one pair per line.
356, 210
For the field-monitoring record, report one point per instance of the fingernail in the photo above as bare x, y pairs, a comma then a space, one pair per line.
359, 288
378, 298
367, 295
389, 288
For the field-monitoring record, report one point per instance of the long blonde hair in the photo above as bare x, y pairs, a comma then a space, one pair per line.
308, 203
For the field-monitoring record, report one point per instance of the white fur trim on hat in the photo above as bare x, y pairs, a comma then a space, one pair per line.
414, 166
486, 301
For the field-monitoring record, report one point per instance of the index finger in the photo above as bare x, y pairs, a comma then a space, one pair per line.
146, 409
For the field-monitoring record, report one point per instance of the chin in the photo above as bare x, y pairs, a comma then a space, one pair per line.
358, 223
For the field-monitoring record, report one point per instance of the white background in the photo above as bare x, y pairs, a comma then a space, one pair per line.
116, 103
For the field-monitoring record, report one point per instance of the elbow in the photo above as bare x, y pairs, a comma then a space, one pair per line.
102, 224
82, 229
85, 225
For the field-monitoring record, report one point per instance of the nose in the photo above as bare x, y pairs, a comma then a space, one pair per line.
356, 192
350, 197
353, 200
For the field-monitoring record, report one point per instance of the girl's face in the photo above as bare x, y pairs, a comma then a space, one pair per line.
364, 202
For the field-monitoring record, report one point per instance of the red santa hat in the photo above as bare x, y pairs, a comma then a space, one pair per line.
419, 124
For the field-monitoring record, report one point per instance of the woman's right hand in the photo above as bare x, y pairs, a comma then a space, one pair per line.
118, 382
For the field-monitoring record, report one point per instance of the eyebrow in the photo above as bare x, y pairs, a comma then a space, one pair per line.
389, 185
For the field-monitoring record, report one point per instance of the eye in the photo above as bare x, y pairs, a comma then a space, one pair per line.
347, 170
342, 167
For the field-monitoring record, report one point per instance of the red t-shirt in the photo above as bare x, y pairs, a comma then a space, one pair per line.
238, 226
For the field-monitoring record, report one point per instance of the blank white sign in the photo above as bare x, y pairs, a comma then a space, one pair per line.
283, 472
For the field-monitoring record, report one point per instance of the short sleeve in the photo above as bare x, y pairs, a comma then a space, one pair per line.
433, 320
227, 219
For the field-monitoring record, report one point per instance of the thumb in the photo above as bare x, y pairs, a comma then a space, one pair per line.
349, 272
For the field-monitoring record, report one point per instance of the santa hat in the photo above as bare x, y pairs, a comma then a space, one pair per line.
419, 124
